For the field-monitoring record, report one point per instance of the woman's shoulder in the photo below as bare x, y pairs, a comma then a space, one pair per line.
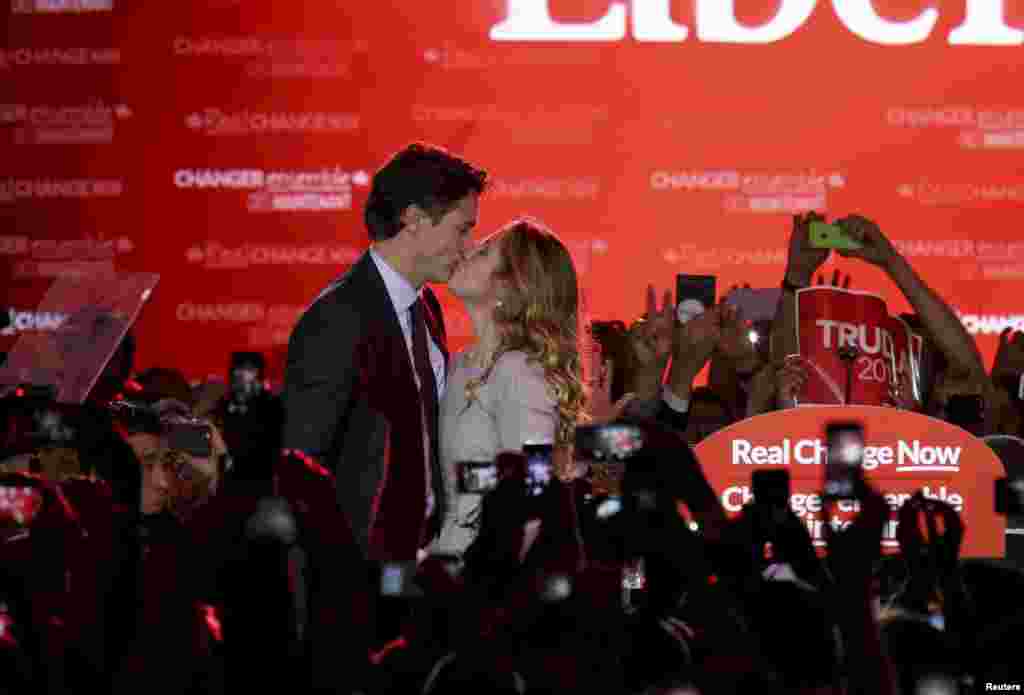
515, 363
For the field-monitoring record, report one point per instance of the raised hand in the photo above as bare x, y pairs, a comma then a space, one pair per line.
837, 280
1009, 362
650, 338
853, 551
876, 249
804, 260
790, 381
734, 342
930, 528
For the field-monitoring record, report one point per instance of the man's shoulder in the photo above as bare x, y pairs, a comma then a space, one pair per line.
345, 295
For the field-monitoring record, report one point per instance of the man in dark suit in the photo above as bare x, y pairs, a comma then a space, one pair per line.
367, 362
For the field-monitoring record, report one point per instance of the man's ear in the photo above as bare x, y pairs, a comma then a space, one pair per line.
412, 218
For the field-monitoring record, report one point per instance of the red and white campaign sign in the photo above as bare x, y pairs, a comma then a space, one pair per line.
904, 452
853, 349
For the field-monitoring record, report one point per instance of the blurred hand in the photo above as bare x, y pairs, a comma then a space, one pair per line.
694, 341
853, 552
734, 342
837, 280
790, 381
877, 249
930, 533
804, 260
1009, 360
761, 398
903, 395
650, 338
600, 401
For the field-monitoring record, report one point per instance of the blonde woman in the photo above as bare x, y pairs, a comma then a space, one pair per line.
520, 382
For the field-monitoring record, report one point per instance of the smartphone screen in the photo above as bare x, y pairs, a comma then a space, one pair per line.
830, 236
845, 442
395, 578
695, 294
538, 468
19, 505
477, 477
771, 488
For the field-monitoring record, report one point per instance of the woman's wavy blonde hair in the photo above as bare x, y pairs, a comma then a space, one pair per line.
539, 315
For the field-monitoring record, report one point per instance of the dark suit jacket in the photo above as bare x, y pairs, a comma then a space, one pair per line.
350, 399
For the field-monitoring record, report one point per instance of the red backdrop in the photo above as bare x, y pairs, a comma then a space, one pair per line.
226, 145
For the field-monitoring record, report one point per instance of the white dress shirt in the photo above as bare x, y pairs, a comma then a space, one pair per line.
403, 295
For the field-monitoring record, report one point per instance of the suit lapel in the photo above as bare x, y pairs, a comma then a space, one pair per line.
388, 328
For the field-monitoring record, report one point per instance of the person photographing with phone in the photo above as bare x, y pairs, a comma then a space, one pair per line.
956, 364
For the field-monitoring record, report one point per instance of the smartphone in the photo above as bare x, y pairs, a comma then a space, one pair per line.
830, 236
771, 488
965, 410
608, 442
845, 445
1010, 496
193, 439
477, 477
538, 468
19, 505
396, 579
695, 294
634, 575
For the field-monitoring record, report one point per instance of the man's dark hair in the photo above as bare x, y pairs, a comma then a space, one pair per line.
423, 175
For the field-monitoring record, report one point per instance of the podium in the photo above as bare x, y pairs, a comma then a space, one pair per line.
904, 452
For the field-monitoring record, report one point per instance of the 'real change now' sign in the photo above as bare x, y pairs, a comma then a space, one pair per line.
903, 452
